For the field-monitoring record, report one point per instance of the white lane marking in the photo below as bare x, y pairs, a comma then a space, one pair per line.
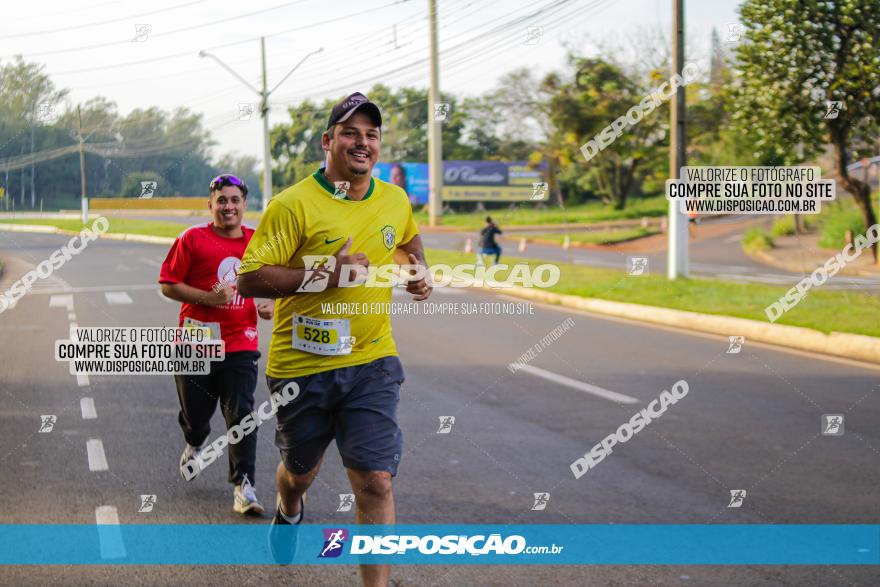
121, 267
95, 288
71, 316
579, 385
109, 534
61, 302
97, 458
87, 407
82, 380
733, 239
151, 262
117, 297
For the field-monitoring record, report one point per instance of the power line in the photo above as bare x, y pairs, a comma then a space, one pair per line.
471, 42
99, 23
323, 65
166, 33
232, 44
76, 10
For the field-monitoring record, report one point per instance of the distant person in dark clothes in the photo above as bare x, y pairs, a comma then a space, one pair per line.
488, 246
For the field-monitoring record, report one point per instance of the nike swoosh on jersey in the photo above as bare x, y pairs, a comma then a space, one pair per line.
329, 242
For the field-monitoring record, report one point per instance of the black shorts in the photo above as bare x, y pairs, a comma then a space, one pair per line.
355, 405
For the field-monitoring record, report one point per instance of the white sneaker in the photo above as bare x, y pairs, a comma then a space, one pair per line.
189, 467
246, 501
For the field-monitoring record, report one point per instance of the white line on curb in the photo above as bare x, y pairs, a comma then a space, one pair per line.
579, 385
109, 534
97, 459
87, 406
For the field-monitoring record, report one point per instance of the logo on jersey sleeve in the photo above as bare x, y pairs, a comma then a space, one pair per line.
388, 236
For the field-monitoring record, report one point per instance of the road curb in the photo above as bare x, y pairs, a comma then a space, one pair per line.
838, 344
138, 238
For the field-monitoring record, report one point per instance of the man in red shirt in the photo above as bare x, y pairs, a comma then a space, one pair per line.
201, 271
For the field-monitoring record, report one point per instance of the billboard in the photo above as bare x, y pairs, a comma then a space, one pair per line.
466, 181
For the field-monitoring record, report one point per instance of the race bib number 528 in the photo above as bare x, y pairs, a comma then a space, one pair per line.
322, 337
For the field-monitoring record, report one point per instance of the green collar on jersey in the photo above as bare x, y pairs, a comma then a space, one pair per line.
329, 187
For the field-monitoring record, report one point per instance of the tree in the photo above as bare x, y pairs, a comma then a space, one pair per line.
798, 59
245, 167
581, 109
30, 98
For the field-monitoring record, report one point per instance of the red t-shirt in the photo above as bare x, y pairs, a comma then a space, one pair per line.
201, 258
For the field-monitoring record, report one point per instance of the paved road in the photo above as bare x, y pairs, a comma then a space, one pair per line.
718, 257
751, 421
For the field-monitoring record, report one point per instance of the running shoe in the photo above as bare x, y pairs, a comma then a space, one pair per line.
283, 534
246, 501
190, 470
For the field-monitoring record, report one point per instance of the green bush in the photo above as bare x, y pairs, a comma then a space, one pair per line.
835, 224
785, 226
756, 239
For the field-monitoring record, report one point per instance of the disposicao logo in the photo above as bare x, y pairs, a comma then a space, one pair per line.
334, 540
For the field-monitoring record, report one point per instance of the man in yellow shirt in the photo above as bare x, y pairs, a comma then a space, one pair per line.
314, 240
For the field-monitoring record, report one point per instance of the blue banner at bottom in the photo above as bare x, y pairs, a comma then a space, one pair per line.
624, 544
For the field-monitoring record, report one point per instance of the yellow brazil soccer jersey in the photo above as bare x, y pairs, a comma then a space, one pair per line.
336, 327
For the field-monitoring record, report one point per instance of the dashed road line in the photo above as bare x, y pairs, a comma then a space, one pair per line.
97, 458
579, 385
87, 407
117, 297
151, 262
109, 533
61, 301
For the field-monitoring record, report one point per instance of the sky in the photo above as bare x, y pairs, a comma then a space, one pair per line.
139, 54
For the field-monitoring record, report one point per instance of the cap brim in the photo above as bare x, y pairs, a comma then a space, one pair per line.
367, 108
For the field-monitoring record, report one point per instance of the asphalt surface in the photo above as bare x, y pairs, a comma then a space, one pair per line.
719, 257
750, 421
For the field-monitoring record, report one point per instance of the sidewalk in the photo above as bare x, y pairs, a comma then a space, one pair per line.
802, 254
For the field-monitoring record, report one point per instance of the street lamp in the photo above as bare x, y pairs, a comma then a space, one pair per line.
264, 109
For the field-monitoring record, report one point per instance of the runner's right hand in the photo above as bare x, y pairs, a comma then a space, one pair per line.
357, 265
222, 296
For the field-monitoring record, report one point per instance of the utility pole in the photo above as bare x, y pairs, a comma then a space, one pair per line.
82, 165
435, 144
677, 255
264, 109
267, 149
